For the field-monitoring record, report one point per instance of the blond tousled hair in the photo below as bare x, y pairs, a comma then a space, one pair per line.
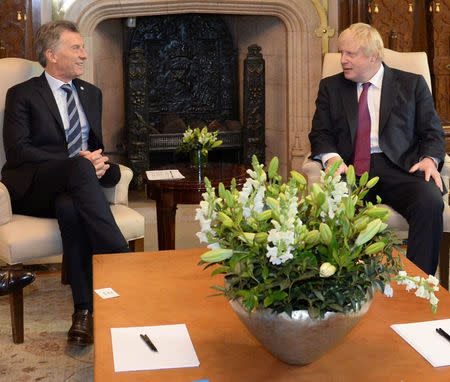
366, 37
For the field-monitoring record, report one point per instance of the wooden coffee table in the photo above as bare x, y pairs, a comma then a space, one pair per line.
168, 287
169, 193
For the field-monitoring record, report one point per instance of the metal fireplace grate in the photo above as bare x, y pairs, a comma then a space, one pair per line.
170, 142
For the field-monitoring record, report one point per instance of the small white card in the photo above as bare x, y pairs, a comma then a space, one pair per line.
164, 175
106, 293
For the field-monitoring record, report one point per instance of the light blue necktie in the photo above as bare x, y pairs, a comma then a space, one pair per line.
73, 135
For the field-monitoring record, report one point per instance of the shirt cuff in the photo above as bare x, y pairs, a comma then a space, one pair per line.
325, 157
435, 160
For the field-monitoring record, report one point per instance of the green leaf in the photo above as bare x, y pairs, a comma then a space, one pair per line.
351, 180
333, 168
318, 294
313, 312
363, 179
273, 167
217, 255
224, 269
336, 307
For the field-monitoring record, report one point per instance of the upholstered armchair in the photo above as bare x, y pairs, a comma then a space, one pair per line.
415, 62
26, 238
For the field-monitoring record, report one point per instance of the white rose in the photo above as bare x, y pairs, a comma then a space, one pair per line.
327, 270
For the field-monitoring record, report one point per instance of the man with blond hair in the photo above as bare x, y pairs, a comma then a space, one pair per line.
383, 121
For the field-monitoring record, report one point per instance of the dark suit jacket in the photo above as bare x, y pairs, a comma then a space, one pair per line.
409, 125
33, 130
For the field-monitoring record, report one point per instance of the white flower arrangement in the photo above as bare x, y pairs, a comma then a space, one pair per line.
283, 246
196, 139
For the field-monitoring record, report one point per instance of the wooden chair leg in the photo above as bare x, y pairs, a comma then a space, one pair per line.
16, 306
136, 245
444, 260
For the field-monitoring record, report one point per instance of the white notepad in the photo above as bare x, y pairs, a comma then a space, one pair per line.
174, 346
422, 336
164, 174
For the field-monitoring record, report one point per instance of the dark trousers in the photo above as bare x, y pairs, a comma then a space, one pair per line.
419, 202
70, 191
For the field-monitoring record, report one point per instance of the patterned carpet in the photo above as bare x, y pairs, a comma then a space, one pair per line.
45, 355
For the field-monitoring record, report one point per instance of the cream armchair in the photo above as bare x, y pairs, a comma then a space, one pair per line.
415, 62
25, 238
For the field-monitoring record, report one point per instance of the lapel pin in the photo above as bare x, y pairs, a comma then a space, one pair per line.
81, 87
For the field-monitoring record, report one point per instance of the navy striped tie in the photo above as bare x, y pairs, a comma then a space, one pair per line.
73, 135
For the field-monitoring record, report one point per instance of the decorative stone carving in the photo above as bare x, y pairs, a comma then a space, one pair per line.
254, 105
178, 66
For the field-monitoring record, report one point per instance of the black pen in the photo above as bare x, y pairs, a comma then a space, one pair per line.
149, 342
443, 333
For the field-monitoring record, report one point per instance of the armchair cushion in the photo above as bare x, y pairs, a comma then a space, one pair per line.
5, 205
25, 238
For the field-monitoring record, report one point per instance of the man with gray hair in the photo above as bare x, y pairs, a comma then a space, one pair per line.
383, 121
54, 162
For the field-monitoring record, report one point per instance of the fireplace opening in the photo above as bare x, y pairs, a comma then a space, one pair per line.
180, 71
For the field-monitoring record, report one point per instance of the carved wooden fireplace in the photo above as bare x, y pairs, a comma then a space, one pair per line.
288, 32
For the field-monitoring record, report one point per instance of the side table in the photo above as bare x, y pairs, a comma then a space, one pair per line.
169, 193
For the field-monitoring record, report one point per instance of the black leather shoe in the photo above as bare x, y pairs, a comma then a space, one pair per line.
82, 330
12, 280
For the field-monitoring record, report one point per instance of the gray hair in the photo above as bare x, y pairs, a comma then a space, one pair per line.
48, 35
367, 38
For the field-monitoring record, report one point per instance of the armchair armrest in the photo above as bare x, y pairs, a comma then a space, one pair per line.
445, 171
5, 205
311, 169
119, 193
445, 174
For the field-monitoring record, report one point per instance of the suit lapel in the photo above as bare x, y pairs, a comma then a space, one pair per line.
389, 92
83, 96
87, 104
47, 95
349, 96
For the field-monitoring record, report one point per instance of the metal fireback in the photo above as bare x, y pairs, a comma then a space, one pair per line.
182, 66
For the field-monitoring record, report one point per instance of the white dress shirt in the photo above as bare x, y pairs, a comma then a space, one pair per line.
61, 100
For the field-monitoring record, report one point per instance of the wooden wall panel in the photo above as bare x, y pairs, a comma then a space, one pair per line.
393, 17
440, 40
16, 32
352, 11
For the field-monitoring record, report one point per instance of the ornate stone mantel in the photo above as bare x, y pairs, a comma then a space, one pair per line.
302, 20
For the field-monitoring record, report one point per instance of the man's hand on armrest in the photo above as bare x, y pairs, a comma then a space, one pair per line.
429, 167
